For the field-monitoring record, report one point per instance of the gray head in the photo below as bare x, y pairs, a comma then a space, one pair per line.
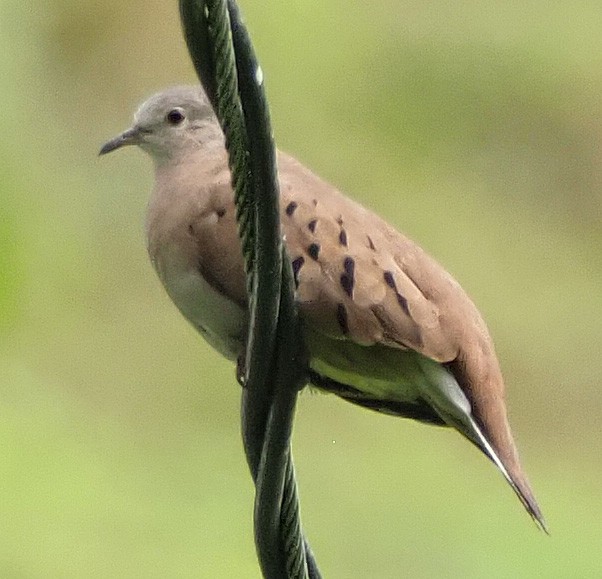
171, 122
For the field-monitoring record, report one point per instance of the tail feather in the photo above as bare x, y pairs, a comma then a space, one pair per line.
444, 394
517, 481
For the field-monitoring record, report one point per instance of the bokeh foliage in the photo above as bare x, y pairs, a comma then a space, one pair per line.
473, 126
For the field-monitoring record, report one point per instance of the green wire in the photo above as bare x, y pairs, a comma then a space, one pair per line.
223, 56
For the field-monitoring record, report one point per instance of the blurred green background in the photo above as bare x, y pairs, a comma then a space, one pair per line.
475, 127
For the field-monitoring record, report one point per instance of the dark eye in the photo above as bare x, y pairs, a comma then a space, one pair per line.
175, 116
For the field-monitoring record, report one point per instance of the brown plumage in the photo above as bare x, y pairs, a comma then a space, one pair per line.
386, 326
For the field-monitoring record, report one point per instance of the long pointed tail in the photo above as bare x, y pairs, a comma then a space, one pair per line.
447, 398
516, 480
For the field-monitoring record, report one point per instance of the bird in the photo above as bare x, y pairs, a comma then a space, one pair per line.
385, 326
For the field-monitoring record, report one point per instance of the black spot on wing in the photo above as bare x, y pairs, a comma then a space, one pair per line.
312, 225
403, 303
220, 212
314, 251
290, 208
343, 238
297, 265
348, 276
401, 300
388, 276
349, 265
370, 243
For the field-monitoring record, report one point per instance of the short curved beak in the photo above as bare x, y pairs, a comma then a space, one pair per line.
129, 137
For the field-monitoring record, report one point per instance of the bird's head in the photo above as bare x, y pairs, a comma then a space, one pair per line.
169, 123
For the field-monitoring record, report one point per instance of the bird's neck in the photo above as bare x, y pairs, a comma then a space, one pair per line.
205, 141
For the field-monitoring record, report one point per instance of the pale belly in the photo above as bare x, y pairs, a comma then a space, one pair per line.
219, 320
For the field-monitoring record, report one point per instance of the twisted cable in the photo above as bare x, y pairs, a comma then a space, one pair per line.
223, 56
